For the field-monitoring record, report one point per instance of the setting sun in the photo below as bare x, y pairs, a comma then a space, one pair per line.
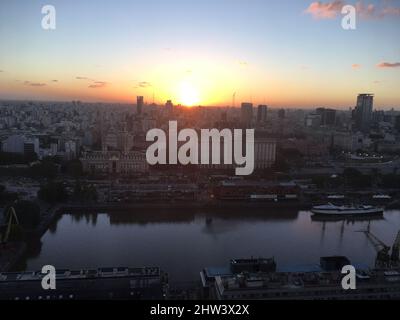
188, 94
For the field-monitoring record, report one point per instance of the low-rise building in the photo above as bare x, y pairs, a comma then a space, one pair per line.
114, 162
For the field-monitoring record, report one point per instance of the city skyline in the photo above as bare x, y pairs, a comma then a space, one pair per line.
279, 53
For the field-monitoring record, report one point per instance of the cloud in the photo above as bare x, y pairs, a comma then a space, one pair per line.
143, 84
330, 10
82, 78
34, 84
366, 11
54, 80
356, 66
393, 11
1, 71
388, 65
243, 63
94, 83
98, 84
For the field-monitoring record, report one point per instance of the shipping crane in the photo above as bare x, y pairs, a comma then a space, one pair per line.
396, 250
12, 218
383, 258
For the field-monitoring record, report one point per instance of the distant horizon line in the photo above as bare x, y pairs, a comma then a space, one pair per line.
344, 108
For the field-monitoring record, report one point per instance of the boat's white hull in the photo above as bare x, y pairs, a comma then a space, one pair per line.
348, 212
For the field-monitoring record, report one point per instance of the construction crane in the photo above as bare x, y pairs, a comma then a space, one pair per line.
12, 218
383, 258
396, 250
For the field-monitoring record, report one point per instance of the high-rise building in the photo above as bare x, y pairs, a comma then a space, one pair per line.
262, 113
313, 120
328, 116
169, 107
247, 113
140, 104
363, 112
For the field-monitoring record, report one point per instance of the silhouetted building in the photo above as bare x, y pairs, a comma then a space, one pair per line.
363, 112
262, 114
378, 116
247, 113
140, 104
313, 120
328, 116
169, 107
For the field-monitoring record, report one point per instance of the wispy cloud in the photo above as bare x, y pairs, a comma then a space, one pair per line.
1, 70
94, 84
394, 11
143, 84
54, 80
356, 66
243, 63
34, 84
330, 10
98, 84
82, 78
388, 65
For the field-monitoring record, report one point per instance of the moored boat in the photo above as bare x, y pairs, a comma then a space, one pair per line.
346, 210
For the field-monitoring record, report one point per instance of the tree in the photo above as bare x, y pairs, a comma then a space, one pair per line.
73, 168
8, 158
45, 169
53, 192
84, 192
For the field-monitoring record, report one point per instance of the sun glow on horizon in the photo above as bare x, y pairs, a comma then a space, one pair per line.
188, 94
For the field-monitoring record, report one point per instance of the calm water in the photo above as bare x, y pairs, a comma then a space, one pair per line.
182, 242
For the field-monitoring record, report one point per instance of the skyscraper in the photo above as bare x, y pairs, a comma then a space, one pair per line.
169, 107
363, 112
328, 116
140, 103
262, 114
247, 113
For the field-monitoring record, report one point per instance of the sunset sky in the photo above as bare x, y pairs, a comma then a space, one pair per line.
291, 53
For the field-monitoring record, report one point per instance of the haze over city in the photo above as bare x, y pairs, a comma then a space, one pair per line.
282, 53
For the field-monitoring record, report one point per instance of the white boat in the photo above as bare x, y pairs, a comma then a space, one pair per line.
333, 210
381, 197
336, 197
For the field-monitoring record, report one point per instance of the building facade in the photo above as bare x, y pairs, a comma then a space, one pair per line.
114, 162
363, 112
